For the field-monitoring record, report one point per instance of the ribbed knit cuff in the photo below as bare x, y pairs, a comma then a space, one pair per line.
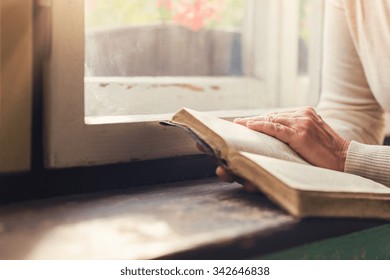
370, 161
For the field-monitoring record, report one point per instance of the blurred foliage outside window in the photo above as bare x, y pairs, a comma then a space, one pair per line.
193, 14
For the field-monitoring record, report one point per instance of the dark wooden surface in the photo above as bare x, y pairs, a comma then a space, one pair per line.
203, 219
44, 183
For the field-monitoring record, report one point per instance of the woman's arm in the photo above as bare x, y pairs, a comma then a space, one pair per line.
347, 102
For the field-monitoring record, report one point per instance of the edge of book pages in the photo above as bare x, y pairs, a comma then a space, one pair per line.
308, 191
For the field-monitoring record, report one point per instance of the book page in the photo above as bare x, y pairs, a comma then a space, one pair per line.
245, 139
311, 178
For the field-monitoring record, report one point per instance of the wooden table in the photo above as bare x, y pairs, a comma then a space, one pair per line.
203, 219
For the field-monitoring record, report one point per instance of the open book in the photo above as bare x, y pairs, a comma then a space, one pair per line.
281, 174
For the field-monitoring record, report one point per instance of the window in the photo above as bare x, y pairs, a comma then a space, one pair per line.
301, 52
168, 55
116, 119
164, 38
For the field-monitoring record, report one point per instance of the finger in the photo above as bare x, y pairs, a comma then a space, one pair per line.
200, 147
277, 130
228, 177
289, 121
249, 187
244, 121
241, 121
224, 175
296, 112
298, 120
265, 117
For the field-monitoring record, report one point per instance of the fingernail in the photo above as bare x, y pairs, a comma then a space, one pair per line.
238, 120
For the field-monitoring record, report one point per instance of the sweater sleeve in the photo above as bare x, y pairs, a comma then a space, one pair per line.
370, 161
347, 102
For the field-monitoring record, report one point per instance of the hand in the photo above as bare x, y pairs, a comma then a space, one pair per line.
226, 176
306, 133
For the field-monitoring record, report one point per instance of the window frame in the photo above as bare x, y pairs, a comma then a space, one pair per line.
306, 88
71, 140
15, 85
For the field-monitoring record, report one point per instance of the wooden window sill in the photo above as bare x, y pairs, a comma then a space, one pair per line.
201, 219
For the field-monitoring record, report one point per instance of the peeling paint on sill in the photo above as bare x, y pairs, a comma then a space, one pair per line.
184, 86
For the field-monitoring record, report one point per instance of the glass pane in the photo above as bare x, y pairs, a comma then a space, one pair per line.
163, 37
303, 40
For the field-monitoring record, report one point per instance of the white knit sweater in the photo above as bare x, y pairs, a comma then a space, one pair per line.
356, 81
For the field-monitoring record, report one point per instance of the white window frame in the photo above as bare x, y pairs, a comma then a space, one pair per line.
72, 140
306, 89
15, 85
